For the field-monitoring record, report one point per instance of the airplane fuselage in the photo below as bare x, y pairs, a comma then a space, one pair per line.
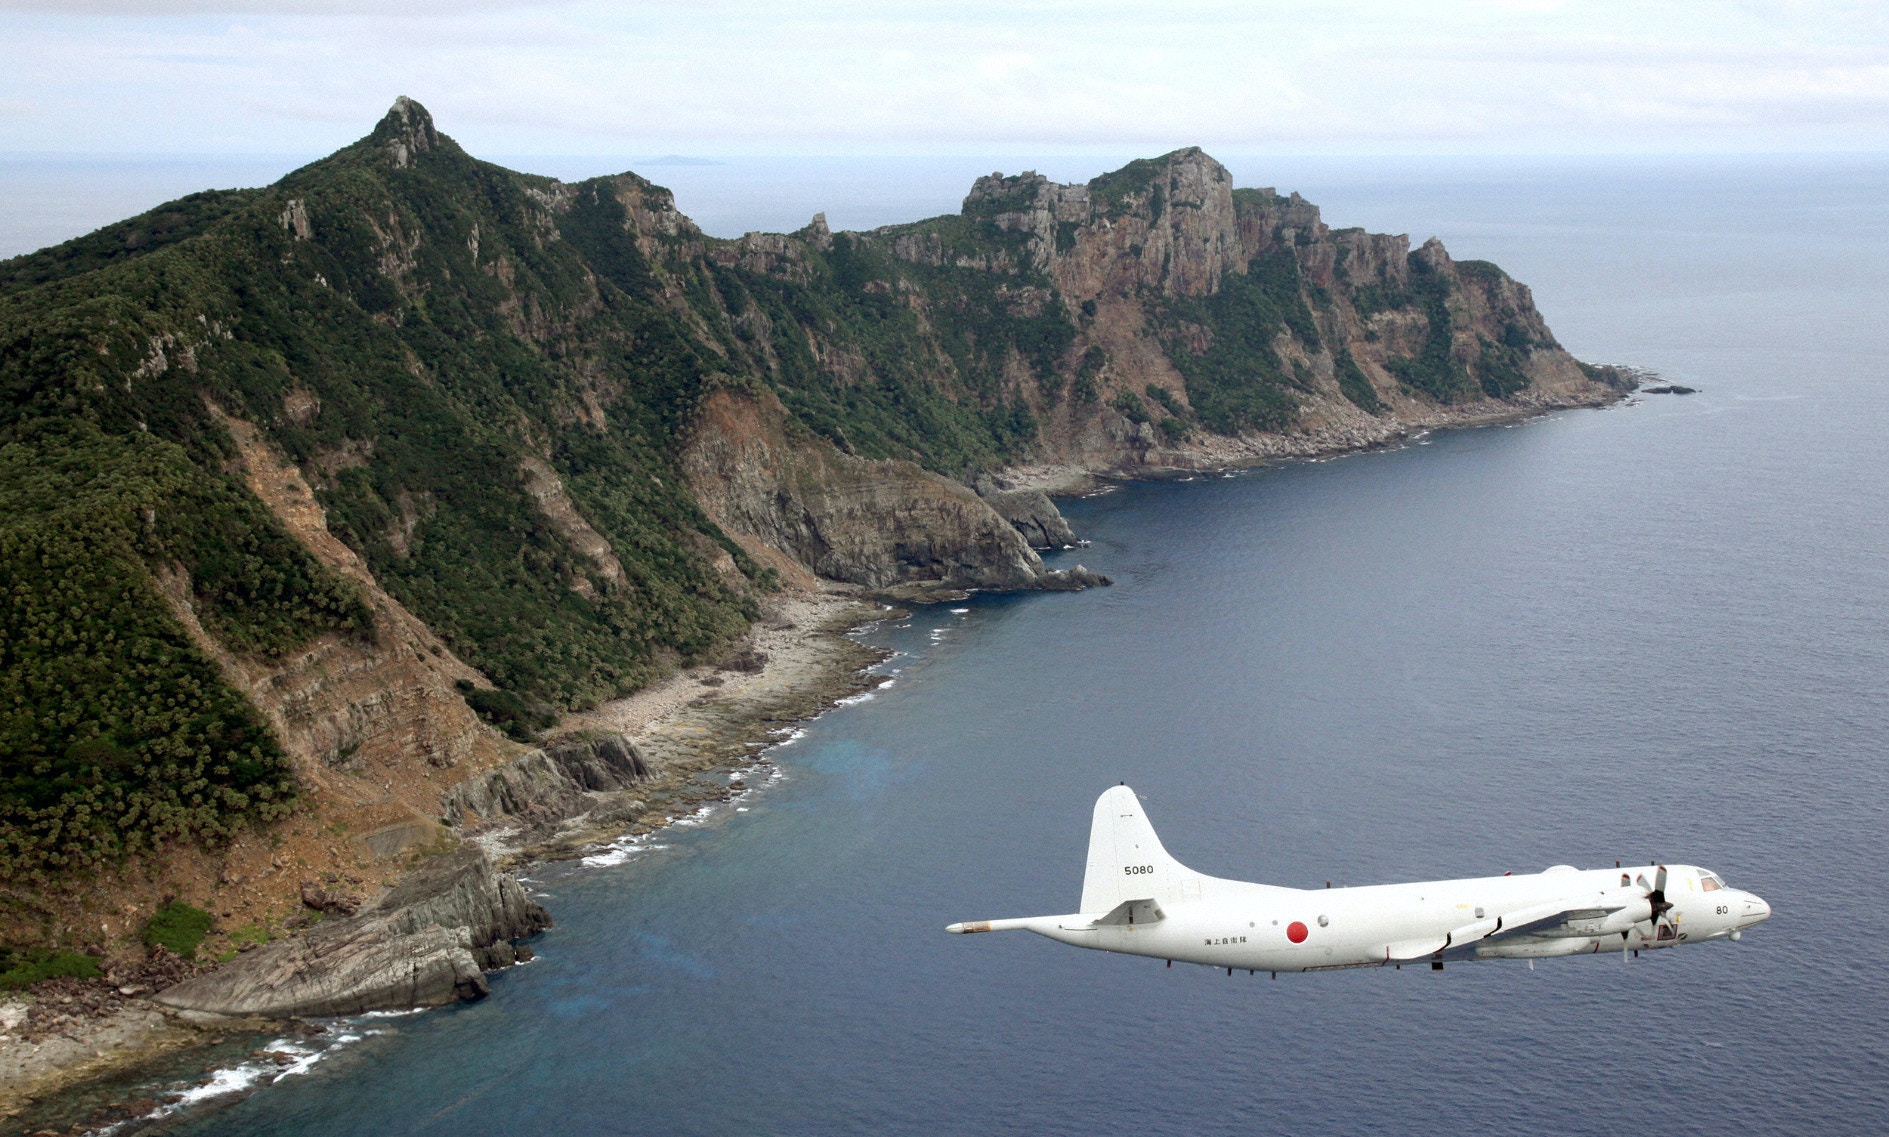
1261, 927
1138, 900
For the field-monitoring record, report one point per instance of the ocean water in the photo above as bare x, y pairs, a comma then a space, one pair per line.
1654, 631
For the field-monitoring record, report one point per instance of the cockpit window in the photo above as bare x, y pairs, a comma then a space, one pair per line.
1709, 883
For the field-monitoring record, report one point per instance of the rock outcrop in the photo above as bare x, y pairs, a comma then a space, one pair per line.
1031, 511
545, 787
426, 943
1073, 580
879, 524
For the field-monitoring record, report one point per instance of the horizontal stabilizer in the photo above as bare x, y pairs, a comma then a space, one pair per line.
1132, 912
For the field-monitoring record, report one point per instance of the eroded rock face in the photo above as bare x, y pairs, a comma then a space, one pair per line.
1134, 253
385, 698
551, 782
1165, 224
426, 943
1031, 511
873, 523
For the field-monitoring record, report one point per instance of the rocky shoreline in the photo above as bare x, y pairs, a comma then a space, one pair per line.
1340, 434
625, 768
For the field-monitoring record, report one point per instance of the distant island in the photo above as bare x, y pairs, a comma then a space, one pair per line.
406, 500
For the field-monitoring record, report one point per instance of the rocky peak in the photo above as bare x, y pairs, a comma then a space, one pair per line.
1165, 223
1434, 256
406, 130
816, 234
996, 193
1196, 178
1200, 224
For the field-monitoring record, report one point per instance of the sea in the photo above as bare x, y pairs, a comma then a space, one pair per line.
1657, 631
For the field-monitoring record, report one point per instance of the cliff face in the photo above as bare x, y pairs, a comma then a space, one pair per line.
872, 523
1157, 316
313, 494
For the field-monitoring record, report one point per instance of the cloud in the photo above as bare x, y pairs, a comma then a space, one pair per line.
731, 76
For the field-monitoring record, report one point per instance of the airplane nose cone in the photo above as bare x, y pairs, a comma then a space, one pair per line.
1756, 911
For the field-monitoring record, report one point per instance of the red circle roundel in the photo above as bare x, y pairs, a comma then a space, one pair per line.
1295, 931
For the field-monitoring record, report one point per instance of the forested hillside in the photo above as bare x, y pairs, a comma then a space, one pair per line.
486, 380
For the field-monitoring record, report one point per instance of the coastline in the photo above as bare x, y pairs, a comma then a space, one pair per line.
1348, 433
698, 727
702, 724
699, 723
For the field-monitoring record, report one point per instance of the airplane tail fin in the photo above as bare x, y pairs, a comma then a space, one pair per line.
1126, 860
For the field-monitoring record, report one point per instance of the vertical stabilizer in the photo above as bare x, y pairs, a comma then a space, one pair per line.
1126, 860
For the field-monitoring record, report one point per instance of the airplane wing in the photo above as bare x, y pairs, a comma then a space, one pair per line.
1574, 916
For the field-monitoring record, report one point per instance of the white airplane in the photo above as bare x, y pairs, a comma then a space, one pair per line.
1138, 900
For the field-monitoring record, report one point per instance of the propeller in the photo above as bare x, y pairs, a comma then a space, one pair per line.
1657, 897
1657, 905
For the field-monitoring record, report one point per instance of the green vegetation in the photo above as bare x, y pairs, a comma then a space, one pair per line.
1499, 368
1484, 272
177, 928
116, 732
1167, 401
433, 341
520, 721
1239, 382
166, 225
22, 969
1371, 298
1353, 383
1085, 390
1115, 190
970, 323
1130, 406
1434, 370
249, 935
1015, 198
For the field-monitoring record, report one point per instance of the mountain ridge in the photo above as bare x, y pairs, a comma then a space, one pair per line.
391, 459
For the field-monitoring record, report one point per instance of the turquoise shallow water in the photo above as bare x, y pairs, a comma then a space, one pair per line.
1650, 631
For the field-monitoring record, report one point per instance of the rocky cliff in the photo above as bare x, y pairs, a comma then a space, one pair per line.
876, 523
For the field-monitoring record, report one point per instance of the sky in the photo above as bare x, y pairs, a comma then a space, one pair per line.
737, 77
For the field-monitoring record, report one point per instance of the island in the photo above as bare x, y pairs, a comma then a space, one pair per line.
371, 533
